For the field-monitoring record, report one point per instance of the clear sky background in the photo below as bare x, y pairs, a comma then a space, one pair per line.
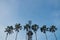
41, 12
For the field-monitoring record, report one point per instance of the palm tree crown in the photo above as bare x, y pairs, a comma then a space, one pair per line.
30, 33
18, 27
27, 27
44, 29
9, 29
35, 27
53, 28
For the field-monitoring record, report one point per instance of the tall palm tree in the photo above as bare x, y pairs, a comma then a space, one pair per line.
9, 30
17, 28
53, 29
26, 27
44, 29
35, 28
30, 33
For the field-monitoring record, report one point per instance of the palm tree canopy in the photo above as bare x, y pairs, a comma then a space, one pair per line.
27, 27
35, 27
53, 28
9, 29
44, 29
30, 33
17, 27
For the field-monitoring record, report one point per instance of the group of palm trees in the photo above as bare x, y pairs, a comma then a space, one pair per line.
29, 28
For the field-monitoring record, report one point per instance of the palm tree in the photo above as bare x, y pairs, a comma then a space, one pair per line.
17, 28
27, 27
9, 30
30, 33
53, 29
35, 28
44, 29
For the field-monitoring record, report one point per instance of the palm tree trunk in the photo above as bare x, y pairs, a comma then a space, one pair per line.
29, 37
6, 36
26, 35
55, 36
16, 35
36, 35
46, 36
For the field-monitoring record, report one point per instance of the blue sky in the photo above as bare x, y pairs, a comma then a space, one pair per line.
20, 11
